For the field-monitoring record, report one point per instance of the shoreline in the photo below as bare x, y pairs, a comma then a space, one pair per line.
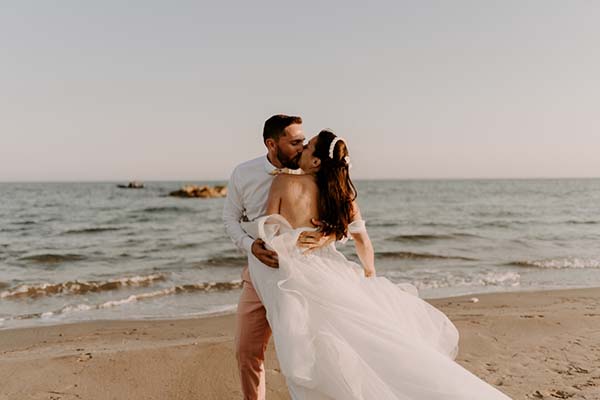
527, 343
230, 309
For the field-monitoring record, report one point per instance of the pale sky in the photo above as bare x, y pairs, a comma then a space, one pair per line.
179, 90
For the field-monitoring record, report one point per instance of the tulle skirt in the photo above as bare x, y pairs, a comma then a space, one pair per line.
339, 335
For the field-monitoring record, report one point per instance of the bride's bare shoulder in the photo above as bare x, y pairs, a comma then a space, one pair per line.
287, 182
287, 179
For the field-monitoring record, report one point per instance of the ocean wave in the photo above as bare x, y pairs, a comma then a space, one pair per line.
575, 222
503, 224
488, 279
188, 288
167, 209
91, 230
498, 214
435, 224
10, 230
208, 286
183, 246
132, 218
79, 287
559, 263
382, 224
429, 237
417, 256
48, 258
225, 261
28, 222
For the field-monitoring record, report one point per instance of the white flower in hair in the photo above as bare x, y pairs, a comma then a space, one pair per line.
347, 159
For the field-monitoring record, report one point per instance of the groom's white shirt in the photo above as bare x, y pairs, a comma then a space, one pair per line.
247, 194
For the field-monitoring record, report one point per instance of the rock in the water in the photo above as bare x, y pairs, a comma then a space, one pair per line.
204, 192
132, 185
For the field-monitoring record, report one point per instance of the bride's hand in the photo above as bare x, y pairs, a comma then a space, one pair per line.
369, 272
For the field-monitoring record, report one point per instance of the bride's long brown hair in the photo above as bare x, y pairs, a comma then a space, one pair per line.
336, 190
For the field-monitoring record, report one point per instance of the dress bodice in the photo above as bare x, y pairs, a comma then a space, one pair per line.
269, 226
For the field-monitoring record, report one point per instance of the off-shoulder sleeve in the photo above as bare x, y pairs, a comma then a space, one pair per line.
357, 226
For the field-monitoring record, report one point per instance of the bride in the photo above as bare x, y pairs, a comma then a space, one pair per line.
340, 332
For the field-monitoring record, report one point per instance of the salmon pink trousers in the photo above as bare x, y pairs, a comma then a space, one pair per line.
252, 335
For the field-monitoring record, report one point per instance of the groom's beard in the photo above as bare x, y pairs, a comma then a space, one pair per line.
287, 162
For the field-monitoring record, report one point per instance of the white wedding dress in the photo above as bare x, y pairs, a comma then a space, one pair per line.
341, 336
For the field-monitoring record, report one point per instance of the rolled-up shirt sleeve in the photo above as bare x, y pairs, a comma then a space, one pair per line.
233, 210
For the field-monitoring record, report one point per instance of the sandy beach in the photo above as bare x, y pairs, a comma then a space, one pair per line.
531, 345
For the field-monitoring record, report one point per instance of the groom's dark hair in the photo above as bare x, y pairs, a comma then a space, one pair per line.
275, 125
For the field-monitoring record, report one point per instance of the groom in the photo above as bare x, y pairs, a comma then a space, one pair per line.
248, 190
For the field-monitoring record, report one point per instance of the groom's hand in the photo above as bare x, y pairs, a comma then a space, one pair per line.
266, 256
314, 240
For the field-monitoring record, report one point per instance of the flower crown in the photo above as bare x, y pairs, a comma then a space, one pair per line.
332, 147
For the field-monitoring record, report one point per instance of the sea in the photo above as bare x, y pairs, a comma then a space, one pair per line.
82, 251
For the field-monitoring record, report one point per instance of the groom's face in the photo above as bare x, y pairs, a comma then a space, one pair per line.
290, 145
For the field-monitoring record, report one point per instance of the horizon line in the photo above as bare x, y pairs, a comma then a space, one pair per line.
355, 179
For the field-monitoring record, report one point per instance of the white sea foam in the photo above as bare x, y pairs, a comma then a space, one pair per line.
567, 262
509, 279
75, 308
80, 287
135, 297
202, 287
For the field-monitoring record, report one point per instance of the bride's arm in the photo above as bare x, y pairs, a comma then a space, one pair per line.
363, 245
